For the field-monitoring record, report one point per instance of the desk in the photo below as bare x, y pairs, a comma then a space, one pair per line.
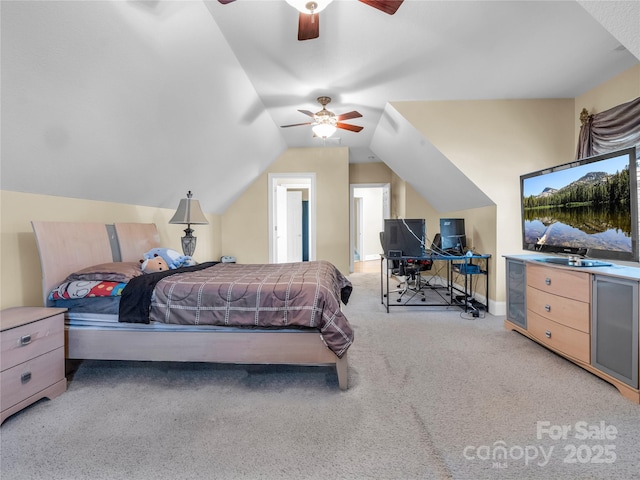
461, 268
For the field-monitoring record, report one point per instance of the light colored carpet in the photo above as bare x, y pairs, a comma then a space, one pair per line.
433, 395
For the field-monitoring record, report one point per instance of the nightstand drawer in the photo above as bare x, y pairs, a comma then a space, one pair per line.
566, 311
30, 377
557, 281
31, 340
559, 337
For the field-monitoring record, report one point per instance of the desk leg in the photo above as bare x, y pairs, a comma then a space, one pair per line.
467, 281
450, 280
384, 272
387, 279
381, 281
486, 285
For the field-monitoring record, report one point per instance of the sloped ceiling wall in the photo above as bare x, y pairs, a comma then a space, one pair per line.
418, 162
130, 102
138, 102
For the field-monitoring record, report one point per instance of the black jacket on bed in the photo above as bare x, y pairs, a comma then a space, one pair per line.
136, 296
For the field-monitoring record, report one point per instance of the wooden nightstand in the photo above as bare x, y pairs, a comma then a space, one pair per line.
31, 357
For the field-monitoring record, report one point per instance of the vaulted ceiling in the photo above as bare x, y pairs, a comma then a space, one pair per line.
139, 101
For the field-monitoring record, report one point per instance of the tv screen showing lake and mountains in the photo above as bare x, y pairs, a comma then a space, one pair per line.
583, 207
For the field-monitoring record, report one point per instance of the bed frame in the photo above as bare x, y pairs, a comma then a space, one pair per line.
66, 247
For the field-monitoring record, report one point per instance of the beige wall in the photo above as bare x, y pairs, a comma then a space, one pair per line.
376, 172
493, 142
417, 207
20, 275
398, 197
245, 225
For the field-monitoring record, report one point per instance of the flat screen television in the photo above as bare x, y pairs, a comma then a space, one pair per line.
406, 235
452, 234
586, 208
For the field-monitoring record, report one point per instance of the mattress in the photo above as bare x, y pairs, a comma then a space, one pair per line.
101, 321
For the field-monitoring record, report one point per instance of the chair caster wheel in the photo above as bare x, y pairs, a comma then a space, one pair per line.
424, 299
399, 300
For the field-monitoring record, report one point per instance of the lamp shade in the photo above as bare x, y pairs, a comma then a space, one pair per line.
189, 212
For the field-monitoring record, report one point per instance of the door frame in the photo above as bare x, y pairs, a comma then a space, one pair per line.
294, 180
386, 207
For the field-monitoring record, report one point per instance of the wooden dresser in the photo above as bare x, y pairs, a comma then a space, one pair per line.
590, 316
31, 357
558, 304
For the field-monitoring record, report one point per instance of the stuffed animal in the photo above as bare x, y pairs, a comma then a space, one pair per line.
174, 259
155, 264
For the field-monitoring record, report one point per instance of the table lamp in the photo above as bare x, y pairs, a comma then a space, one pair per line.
189, 212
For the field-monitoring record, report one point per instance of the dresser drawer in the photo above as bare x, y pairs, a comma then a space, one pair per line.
31, 340
566, 311
558, 281
28, 378
559, 337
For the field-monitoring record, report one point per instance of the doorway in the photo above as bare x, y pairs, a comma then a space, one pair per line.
292, 217
370, 205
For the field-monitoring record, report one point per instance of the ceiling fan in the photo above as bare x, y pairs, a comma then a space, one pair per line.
309, 21
325, 122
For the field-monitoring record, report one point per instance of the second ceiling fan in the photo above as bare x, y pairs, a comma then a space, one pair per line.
325, 122
309, 21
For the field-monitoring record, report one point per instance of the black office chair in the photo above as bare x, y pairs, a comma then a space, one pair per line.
415, 283
408, 275
397, 269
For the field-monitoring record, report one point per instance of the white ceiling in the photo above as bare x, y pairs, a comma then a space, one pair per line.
137, 102
428, 50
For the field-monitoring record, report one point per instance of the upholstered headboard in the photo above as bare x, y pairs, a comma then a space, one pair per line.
66, 247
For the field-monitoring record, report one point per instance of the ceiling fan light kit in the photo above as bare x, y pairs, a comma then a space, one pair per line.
309, 7
323, 130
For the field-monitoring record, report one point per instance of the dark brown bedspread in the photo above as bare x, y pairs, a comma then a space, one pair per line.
305, 294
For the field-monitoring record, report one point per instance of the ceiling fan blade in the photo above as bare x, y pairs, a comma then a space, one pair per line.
224, 2
386, 6
308, 26
346, 126
307, 112
349, 115
296, 124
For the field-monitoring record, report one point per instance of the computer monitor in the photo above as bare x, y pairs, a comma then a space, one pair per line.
452, 234
405, 235
436, 245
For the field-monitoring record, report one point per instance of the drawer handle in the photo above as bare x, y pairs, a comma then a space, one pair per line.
25, 340
548, 334
547, 281
25, 377
547, 308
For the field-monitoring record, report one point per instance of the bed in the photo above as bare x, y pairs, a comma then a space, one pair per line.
67, 248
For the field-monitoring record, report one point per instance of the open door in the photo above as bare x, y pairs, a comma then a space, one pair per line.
370, 205
291, 217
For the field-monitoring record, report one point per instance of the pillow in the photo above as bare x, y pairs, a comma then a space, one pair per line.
112, 272
86, 289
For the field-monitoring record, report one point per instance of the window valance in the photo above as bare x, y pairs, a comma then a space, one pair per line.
613, 129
